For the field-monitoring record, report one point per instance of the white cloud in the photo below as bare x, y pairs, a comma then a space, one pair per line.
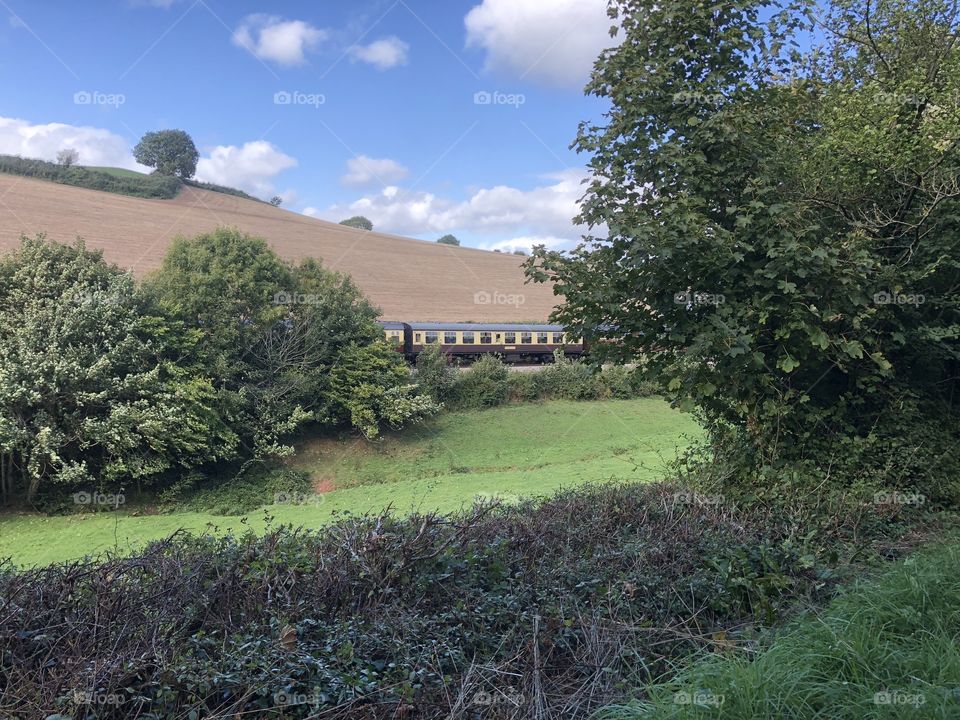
505, 214
285, 42
554, 41
382, 54
363, 170
95, 146
311, 212
250, 167
526, 243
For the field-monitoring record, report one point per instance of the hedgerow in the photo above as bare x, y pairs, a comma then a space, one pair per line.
148, 186
495, 612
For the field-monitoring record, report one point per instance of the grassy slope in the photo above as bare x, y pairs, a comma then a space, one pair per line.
505, 452
895, 634
117, 172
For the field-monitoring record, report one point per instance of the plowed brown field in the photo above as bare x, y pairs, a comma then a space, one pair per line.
408, 279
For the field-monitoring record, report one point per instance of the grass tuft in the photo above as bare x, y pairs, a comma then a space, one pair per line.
885, 648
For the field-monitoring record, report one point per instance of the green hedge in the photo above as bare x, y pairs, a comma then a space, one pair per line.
145, 186
489, 383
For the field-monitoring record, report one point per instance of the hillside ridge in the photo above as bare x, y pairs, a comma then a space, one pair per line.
409, 279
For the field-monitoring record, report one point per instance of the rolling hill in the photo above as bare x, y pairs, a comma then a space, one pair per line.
408, 279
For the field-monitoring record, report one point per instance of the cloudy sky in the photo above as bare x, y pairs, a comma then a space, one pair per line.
427, 116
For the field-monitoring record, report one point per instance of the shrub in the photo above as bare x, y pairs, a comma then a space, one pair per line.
567, 380
485, 384
603, 588
524, 387
891, 639
435, 376
617, 381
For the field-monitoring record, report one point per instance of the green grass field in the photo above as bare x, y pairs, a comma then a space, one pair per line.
507, 452
117, 172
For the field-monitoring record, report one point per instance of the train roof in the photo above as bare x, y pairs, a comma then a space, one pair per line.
476, 327
481, 327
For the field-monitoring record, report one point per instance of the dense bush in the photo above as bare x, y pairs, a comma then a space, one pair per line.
783, 217
486, 384
91, 395
285, 345
220, 189
221, 357
557, 606
565, 379
435, 375
147, 186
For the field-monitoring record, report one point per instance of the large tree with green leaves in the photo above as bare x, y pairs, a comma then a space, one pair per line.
271, 333
777, 188
91, 395
171, 152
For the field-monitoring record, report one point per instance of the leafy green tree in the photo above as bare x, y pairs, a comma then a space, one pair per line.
358, 221
90, 391
171, 152
370, 386
783, 226
276, 201
448, 240
271, 335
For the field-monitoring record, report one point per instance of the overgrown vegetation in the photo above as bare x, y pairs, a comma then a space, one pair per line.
488, 382
553, 608
212, 187
145, 186
886, 648
221, 356
782, 203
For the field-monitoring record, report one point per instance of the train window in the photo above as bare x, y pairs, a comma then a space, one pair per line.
558, 338
509, 338
395, 337
418, 337
468, 338
542, 338
526, 338
486, 338
450, 338
431, 337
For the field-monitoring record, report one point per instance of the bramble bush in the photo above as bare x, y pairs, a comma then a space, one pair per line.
575, 598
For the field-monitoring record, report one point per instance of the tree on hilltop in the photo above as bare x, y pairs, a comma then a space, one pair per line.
171, 152
358, 221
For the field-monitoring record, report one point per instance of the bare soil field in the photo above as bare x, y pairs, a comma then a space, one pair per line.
410, 280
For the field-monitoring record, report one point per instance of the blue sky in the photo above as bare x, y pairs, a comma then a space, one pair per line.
428, 116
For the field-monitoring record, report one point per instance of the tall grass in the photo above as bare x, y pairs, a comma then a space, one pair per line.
886, 648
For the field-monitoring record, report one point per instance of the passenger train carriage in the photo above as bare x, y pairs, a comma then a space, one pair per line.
514, 342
